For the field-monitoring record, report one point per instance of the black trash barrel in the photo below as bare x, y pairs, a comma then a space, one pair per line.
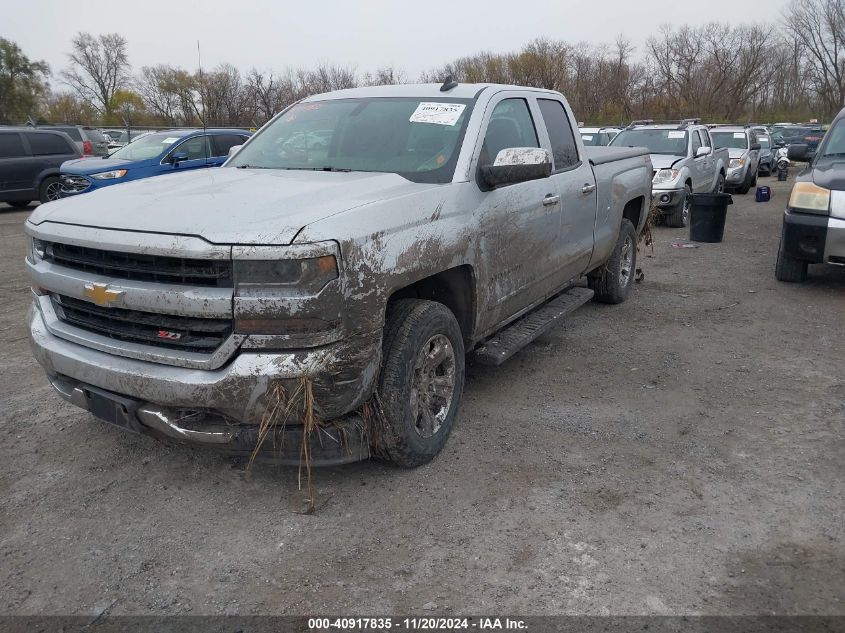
707, 216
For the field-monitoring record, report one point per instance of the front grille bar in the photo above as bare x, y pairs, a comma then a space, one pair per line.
134, 326
139, 267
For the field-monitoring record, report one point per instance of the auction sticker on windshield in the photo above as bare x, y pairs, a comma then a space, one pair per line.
676, 134
739, 134
439, 113
169, 140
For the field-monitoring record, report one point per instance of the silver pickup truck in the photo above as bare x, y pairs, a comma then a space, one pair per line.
320, 291
685, 162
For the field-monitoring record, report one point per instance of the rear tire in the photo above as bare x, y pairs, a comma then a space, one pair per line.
613, 281
50, 189
679, 216
421, 381
790, 269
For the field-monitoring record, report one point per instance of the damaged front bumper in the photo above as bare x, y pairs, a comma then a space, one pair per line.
224, 408
664, 198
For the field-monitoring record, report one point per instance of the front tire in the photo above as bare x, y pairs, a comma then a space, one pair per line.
612, 282
50, 189
421, 381
720, 183
790, 269
746, 185
679, 216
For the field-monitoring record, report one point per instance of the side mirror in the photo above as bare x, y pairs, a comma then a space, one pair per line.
703, 151
233, 150
177, 158
797, 153
517, 164
756, 147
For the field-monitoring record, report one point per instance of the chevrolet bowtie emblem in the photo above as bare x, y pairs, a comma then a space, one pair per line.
101, 295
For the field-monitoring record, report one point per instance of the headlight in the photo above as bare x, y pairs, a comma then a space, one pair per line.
286, 276
736, 162
266, 288
810, 198
109, 175
665, 175
37, 248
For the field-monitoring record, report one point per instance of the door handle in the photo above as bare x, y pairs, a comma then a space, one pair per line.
550, 199
588, 189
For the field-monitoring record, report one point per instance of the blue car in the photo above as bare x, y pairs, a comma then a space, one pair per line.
151, 155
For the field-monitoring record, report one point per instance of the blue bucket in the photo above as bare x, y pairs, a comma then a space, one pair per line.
764, 194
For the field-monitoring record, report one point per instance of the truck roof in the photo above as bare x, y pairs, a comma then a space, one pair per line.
461, 91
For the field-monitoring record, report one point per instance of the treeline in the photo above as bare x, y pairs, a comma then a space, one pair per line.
793, 70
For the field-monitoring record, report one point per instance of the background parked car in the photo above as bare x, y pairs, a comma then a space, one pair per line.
767, 155
597, 136
29, 164
151, 155
89, 140
814, 222
124, 137
744, 152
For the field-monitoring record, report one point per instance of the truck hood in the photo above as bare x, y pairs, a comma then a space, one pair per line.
829, 174
736, 153
228, 205
662, 161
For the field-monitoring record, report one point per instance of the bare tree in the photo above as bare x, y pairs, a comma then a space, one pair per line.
99, 68
819, 27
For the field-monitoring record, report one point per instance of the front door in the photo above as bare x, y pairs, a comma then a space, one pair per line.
519, 223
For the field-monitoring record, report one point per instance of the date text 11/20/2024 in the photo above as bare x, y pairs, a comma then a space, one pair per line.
415, 624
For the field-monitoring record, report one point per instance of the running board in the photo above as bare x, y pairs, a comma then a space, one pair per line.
521, 332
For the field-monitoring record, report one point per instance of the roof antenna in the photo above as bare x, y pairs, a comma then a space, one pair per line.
448, 84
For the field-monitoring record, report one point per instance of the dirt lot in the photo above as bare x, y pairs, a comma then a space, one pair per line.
680, 453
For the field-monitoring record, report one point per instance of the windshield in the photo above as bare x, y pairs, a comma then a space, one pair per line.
418, 139
731, 140
764, 142
151, 146
834, 145
671, 142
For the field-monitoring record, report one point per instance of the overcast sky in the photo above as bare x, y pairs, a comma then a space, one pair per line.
414, 35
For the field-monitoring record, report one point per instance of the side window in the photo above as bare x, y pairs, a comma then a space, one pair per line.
705, 138
752, 138
510, 125
564, 150
72, 132
11, 145
222, 142
48, 144
696, 142
196, 148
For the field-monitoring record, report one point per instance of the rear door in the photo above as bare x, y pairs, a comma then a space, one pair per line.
575, 183
16, 165
220, 144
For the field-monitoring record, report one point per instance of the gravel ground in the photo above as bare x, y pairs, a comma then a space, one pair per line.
678, 454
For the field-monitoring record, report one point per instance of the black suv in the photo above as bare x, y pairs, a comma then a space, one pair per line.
29, 164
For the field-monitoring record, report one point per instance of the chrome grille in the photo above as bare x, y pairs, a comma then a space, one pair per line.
138, 267
147, 328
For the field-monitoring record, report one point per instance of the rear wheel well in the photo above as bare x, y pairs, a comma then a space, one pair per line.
633, 211
453, 288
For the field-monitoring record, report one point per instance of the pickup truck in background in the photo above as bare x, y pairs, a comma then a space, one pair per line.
328, 292
684, 160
